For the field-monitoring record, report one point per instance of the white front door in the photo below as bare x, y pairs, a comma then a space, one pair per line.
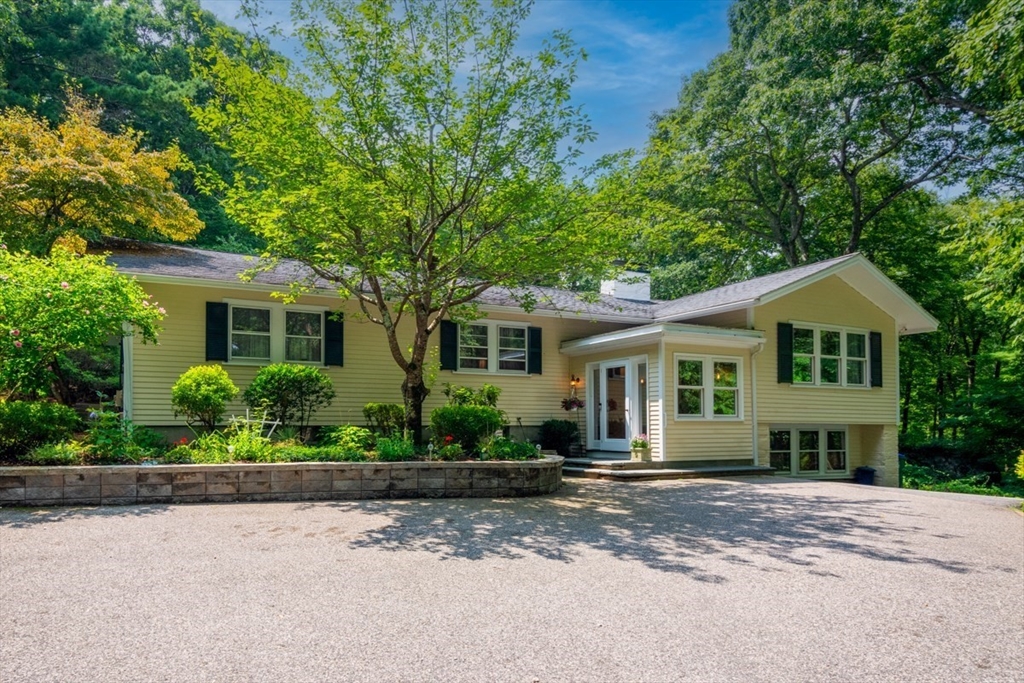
611, 399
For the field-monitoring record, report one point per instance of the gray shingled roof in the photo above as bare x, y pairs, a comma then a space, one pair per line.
187, 262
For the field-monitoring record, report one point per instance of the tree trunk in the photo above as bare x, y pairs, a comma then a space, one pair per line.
414, 393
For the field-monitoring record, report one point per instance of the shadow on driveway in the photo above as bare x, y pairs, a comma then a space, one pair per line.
27, 517
667, 528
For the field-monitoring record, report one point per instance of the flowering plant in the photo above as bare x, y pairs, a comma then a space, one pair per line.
573, 403
640, 441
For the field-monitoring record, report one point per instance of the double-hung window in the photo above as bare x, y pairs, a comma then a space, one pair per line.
808, 450
708, 387
493, 346
265, 333
829, 356
250, 333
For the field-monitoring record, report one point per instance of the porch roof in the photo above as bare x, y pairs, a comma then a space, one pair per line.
671, 332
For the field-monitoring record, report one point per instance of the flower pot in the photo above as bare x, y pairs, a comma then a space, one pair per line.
640, 454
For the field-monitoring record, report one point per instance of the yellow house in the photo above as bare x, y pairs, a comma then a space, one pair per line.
797, 371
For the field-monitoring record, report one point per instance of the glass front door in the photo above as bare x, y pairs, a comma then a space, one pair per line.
617, 405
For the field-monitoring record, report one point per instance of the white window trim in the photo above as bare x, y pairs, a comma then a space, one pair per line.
277, 330
794, 449
818, 328
492, 348
708, 395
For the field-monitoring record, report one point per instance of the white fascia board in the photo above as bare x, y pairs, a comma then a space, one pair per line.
670, 332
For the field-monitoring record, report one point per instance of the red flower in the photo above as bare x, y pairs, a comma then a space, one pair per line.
448, 439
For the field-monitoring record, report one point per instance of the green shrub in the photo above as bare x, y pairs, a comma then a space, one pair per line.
290, 393
930, 479
559, 435
179, 455
27, 424
387, 419
64, 453
395, 450
209, 449
347, 437
245, 442
449, 452
318, 454
114, 440
466, 424
201, 395
500, 448
486, 395
1019, 469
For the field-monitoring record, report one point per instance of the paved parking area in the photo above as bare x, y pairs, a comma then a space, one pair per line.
745, 580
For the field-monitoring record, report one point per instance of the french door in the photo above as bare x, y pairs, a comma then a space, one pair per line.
617, 403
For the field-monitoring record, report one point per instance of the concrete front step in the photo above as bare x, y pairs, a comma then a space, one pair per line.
600, 472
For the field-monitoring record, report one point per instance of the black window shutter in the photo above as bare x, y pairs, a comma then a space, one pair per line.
875, 349
334, 339
449, 345
216, 331
534, 354
785, 341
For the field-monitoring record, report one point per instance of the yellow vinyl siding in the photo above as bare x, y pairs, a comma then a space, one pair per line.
699, 439
828, 302
578, 367
534, 398
370, 373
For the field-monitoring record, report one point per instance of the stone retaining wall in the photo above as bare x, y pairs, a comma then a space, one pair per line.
131, 484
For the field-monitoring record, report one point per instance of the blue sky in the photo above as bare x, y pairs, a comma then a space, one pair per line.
638, 50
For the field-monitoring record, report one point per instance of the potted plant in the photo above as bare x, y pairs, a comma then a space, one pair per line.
640, 448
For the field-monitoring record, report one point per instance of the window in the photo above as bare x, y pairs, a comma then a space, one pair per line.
473, 347
492, 346
691, 388
826, 356
274, 333
303, 336
512, 348
701, 377
808, 450
250, 333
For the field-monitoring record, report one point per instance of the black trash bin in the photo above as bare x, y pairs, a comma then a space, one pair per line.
864, 475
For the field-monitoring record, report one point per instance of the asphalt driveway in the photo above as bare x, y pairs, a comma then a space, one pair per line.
746, 580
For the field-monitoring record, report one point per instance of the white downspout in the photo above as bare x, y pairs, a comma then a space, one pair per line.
753, 398
127, 371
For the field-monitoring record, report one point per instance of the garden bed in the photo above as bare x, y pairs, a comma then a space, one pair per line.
144, 484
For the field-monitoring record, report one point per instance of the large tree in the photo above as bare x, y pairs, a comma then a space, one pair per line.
134, 57
814, 122
76, 181
416, 160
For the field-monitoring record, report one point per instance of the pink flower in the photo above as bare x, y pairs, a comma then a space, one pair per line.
145, 304
161, 310
17, 343
87, 311
65, 285
15, 333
